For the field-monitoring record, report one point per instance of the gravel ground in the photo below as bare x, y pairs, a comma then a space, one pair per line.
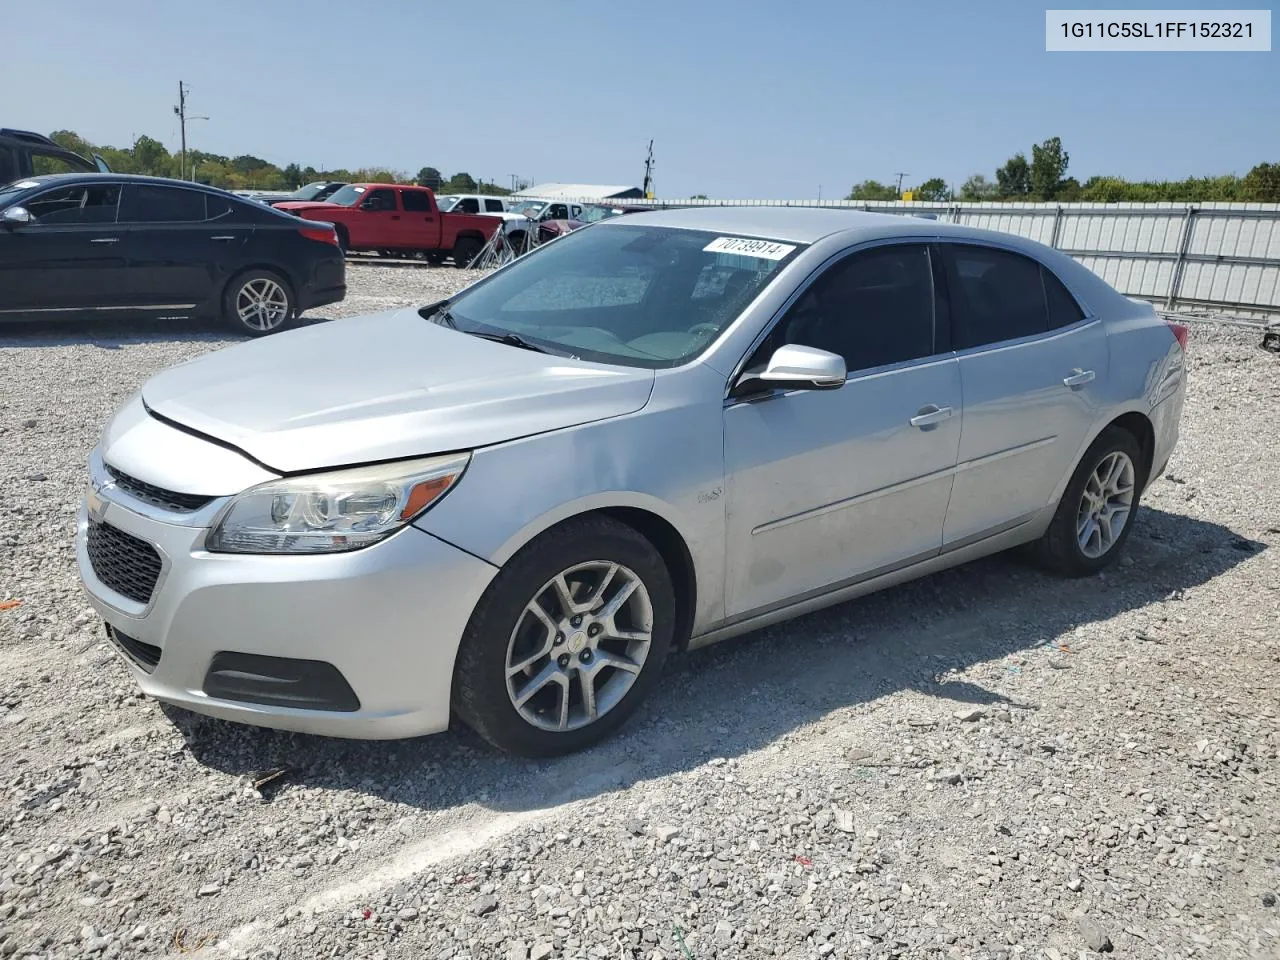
986, 763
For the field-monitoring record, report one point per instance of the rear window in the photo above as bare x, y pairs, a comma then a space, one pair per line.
633, 295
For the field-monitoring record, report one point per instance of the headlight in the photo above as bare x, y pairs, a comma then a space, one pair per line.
332, 512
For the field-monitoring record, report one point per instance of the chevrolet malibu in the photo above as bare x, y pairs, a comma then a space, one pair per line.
651, 434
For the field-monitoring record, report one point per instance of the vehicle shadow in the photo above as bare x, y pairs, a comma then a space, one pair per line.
744, 694
118, 332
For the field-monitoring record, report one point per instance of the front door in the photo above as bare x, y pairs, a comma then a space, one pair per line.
833, 486
381, 220
1031, 365
69, 258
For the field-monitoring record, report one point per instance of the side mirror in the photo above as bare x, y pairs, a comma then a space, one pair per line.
794, 367
16, 215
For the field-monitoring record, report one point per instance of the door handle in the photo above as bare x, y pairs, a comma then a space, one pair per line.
106, 240
222, 238
931, 415
1079, 378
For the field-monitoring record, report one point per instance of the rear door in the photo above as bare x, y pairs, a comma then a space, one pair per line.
1031, 365
422, 223
69, 258
176, 254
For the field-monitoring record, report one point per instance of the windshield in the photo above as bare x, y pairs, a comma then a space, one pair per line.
347, 196
10, 192
309, 192
529, 208
447, 203
638, 296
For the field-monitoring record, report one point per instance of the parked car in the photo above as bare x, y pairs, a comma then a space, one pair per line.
398, 219
471, 203
517, 224
92, 244
26, 154
549, 229
312, 192
650, 435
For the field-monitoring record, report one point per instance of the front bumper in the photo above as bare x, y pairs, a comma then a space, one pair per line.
388, 618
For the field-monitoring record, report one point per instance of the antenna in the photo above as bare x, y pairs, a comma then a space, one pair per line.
648, 174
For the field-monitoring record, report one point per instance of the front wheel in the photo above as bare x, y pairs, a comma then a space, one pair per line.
567, 640
258, 302
1098, 507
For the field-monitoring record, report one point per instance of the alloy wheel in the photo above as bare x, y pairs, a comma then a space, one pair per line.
1105, 504
262, 304
579, 645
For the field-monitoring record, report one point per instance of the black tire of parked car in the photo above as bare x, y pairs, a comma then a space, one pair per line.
247, 279
344, 238
464, 251
480, 696
1058, 550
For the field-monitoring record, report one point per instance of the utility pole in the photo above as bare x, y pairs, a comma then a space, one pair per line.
900, 176
181, 111
648, 174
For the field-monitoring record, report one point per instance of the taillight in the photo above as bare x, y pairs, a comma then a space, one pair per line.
1180, 331
323, 234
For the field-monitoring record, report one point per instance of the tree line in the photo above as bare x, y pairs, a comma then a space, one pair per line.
1044, 178
247, 172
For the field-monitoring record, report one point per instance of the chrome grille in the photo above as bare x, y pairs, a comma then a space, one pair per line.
126, 564
157, 496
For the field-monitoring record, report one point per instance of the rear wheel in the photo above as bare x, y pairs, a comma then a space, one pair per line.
464, 251
258, 302
567, 640
1098, 507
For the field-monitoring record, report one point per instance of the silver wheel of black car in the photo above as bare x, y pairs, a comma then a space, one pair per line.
567, 640
259, 302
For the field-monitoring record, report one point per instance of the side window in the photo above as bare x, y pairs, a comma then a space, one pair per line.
467, 205
8, 166
380, 200
1063, 309
415, 201
94, 203
493, 206
220, 208
557, 211
145, 203
996, 295
42, 163
873, 308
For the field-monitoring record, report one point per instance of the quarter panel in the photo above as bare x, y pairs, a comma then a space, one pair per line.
666, 458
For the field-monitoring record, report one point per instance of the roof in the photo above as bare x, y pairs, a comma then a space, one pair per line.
88, 177
576, 191
795, 224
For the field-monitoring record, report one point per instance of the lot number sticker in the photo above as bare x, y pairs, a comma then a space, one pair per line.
765, 249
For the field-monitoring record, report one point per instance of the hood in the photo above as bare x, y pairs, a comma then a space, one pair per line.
301, 208
384, 387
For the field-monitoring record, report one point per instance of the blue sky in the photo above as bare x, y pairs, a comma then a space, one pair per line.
743, 99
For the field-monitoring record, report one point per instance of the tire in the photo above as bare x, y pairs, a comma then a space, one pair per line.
464, 251
344, 239
1076, 543
588, 552
258, 302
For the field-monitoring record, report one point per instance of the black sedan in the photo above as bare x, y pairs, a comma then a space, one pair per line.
74, 245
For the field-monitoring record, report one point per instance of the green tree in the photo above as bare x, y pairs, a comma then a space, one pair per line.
460, 183
935, 189
1048, 168
429, 177
70, 140
293, 175
1068, 190
151, 157
978, 187
699, 196
1014, 178
1262, 183
872, 190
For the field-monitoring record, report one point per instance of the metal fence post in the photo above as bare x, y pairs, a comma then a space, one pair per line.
1184, 244
1057, 226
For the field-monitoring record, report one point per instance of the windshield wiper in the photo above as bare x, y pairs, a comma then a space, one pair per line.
510, 339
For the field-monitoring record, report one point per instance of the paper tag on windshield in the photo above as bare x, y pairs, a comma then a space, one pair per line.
742, 247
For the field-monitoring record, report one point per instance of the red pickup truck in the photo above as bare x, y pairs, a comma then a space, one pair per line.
397, 219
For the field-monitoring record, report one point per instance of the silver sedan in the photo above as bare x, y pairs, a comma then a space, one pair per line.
654, 433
